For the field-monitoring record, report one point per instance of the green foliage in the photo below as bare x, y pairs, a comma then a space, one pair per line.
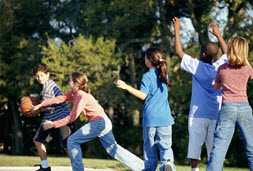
96, 58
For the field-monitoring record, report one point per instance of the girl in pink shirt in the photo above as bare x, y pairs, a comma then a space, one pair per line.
232, 78
99, 125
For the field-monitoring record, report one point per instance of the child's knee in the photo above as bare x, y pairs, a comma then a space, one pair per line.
112, 149
37, 143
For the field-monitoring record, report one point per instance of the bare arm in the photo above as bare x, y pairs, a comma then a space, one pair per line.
217, 84
178, 46
77, 109
139, 94
217, 33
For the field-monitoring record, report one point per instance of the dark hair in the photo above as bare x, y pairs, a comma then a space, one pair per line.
41, 68
82, 81
210, 53
157, 58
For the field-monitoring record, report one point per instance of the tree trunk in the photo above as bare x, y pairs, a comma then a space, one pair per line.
132, 70
17, 135
136, 113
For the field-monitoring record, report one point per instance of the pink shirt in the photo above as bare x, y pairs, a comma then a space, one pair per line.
234, 82
83, 103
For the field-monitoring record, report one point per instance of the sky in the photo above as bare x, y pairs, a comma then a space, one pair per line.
219, 14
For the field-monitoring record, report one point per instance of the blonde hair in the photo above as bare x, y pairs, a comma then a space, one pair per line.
238, 50
81, 80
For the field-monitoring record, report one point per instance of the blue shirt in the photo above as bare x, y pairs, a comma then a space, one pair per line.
205, 101
156, 110
57, 111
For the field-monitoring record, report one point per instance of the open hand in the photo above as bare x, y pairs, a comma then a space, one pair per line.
214, 28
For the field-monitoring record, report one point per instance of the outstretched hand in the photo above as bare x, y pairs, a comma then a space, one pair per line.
176, 23
121, 84
37, 107
215, 29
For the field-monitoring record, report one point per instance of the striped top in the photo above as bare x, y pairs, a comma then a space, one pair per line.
57, 111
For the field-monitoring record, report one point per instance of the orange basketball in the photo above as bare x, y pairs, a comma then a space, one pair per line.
26, 105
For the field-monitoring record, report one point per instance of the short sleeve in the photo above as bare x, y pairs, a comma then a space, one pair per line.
222, 60
189, 64
57, 91
145, 84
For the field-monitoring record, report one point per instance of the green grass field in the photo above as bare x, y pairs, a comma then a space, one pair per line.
7, 160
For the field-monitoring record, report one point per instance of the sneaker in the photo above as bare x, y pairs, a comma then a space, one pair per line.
44, 169
168, 167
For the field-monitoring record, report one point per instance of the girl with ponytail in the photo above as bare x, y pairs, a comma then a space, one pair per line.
157, 120
98, 126
157, 58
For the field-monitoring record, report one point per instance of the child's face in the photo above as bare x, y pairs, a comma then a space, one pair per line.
42, 77
148, 63
73, 86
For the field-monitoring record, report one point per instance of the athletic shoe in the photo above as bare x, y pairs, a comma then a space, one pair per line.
168, 167
44, 169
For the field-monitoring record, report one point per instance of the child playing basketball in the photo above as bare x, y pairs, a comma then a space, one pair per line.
232, 78
157, 120
205, 101
53, 112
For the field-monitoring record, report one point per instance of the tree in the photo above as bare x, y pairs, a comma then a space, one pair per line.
19, 52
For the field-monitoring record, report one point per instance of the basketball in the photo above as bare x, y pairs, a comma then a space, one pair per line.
26, 105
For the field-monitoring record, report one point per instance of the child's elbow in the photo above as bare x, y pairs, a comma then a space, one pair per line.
143, 96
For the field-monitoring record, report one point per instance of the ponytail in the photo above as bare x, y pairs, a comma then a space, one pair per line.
157, 58
81, 80
163, 71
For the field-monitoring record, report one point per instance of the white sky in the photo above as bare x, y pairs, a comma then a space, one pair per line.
219, 14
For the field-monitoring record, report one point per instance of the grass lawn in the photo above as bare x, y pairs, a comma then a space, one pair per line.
8, 160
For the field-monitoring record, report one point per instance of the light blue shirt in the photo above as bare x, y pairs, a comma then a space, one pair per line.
205, 101
156, 110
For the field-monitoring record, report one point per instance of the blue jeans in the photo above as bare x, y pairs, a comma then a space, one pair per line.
157, 144
101, 129
232, 114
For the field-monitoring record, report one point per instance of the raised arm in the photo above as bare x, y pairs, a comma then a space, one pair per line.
121, 84
178, 46
216, 31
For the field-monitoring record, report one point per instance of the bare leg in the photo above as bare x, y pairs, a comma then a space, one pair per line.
194, 164
41, 149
